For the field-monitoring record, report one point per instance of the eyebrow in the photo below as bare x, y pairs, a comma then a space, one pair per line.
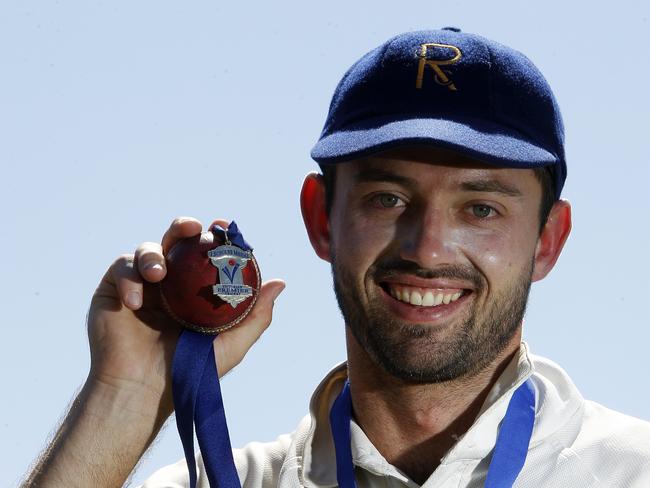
491, 186
379, 175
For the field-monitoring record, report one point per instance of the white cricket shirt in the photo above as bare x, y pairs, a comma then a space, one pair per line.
576, 443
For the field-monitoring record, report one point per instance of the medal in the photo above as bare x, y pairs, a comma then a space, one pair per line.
230, 260
212, 280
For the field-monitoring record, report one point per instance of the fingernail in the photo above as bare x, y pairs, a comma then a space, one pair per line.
155, 266
133, 299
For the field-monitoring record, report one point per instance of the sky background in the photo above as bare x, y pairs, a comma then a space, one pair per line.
115, 117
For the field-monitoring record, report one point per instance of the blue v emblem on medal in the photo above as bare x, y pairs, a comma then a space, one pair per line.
230, 260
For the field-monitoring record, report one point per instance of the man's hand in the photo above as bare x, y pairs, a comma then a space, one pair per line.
132, 339
127, 396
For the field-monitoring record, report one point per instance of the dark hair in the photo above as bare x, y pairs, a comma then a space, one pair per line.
543, 175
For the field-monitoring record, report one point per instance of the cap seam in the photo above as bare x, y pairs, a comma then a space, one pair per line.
490, 80
386, 46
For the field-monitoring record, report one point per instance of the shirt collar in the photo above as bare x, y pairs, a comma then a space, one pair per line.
319, 462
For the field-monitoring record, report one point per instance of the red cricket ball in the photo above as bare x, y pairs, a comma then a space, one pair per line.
190, 290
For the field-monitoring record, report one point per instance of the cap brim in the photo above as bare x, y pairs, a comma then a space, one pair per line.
486, 141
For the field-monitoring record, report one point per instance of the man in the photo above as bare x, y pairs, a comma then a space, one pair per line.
439, 204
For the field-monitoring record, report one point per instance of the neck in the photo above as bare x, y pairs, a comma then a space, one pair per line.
414, 425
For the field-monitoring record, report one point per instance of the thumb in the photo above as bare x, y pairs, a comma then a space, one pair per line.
231, 346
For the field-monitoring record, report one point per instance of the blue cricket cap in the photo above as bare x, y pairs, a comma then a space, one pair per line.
447, 89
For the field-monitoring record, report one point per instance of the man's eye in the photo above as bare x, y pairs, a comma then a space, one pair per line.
482, 211
389, 200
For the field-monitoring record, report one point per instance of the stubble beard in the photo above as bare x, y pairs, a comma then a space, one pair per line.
418, 354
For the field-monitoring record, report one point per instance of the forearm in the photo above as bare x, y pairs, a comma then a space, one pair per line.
101, 439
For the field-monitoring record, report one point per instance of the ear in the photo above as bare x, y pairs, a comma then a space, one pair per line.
314, 214
552, 239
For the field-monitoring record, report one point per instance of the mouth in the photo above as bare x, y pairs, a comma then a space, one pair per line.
420, 301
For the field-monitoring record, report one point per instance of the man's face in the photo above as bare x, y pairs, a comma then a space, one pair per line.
432, 256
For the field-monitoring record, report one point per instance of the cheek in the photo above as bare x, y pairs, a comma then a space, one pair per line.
359, 242
496, 252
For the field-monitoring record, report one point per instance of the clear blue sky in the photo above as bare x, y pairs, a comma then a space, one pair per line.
118, 116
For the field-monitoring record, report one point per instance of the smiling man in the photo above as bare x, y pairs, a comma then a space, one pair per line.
444, 250
438, 205
433, 254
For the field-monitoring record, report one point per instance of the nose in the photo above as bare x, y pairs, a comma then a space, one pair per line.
426, 238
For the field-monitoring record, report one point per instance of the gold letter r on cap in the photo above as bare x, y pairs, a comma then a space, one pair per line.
440, 76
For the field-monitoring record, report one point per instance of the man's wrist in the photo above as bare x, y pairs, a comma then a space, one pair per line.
125, 402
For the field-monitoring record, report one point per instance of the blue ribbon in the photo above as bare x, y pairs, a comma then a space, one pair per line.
514, 436
197, 401
234, 235
340, 417
509, 452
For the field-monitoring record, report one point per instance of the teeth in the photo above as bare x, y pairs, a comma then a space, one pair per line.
423, 298
405, 296
416, 298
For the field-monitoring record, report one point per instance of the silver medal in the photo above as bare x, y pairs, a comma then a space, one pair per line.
230, 260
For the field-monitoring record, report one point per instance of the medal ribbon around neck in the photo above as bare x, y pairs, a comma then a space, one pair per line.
509, 452
197, 400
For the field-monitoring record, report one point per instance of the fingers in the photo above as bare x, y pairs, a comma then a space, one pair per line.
223, 223
150, 261
231, 346
150, 257
260, 316
180, 228
127, 281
